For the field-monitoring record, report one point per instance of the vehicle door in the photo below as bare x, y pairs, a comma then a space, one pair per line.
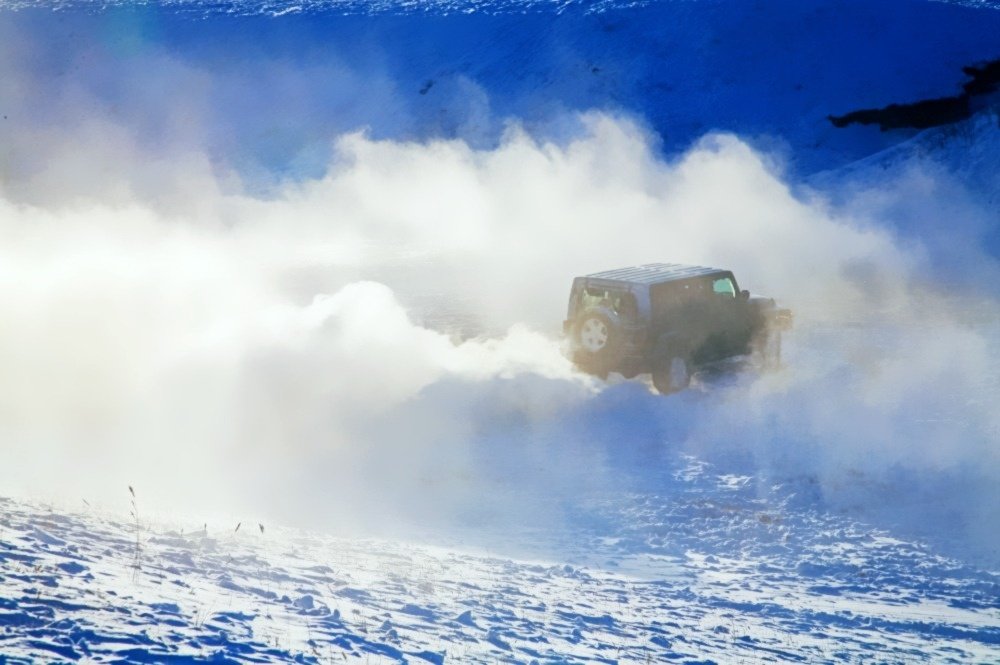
730, 317
679, 313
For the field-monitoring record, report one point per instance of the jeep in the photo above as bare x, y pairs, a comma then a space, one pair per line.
668, 320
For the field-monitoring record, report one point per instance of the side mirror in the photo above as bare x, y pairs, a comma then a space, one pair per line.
744, 295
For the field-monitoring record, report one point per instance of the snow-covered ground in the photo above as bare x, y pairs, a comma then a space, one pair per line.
706, 569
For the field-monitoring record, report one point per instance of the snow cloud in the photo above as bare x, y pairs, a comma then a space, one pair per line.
382, 341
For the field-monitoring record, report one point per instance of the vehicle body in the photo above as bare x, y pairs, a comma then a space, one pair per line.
668, 320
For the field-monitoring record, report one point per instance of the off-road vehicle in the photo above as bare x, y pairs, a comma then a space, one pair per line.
668, 320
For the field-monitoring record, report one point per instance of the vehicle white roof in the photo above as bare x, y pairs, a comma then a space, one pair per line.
654, 273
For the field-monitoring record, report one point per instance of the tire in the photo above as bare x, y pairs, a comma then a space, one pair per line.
671, 375
598, 341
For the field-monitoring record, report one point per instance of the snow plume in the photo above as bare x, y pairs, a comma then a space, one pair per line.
382, 342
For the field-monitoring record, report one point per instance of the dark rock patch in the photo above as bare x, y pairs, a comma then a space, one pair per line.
985, 80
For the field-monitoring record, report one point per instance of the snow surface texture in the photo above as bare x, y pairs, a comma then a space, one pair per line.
708, 568
276, 8
312, 269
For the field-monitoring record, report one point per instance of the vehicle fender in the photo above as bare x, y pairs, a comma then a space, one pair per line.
779, 318
761, 302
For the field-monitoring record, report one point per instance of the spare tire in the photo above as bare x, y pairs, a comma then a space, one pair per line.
598, 340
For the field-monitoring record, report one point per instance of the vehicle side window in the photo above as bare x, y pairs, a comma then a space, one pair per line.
697, 290
683, 293
666, 299
626, 307
724, 287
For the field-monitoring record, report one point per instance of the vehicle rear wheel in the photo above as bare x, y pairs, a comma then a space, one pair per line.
672, 375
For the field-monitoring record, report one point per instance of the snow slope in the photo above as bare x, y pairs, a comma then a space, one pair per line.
267, 93
705, 569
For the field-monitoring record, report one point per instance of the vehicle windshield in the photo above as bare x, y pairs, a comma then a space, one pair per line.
724, 286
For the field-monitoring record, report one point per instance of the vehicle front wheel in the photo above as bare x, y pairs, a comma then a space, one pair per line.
770, 350
672, 376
